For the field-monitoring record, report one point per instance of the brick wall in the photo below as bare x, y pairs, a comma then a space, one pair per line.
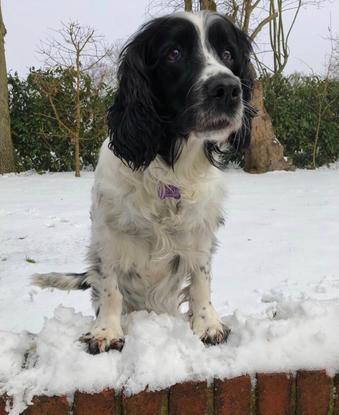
308, 393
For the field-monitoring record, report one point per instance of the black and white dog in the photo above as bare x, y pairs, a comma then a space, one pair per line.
181, 103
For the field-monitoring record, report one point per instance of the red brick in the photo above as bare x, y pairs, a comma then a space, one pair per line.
232, 396
336, 397
48, 405
102, 403
313, 392
273, 394
150, 402
188, 398
3, 405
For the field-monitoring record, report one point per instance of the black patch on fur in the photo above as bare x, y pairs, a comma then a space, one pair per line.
174, 264
81, 275
220, 221
85, 286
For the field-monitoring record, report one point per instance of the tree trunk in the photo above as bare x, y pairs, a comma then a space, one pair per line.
208, 5
7, 163
265, 152
77, 156
188, 5
77, 117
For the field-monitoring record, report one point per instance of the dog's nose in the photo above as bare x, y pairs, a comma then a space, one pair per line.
224, 89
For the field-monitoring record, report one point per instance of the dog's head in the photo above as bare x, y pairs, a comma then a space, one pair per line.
181, 76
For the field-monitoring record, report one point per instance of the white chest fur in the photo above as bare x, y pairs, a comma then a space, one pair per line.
144, 232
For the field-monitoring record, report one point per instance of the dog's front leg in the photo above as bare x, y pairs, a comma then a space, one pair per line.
106, 332
204, 319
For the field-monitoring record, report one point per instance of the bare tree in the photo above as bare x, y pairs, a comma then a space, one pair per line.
208, 5
280, 31
333, 60
105, 71
7, 162
80, 50
188, 5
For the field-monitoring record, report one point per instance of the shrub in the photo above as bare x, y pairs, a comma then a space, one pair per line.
304, 109
299, 107
39, 141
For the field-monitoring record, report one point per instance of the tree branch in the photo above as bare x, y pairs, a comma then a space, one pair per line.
263, 23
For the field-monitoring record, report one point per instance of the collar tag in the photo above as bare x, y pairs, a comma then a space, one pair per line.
168, 191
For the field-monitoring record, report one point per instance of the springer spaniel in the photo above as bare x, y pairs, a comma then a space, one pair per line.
182, 101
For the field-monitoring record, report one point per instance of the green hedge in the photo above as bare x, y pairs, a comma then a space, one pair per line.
296, 105
39, 142
293, 103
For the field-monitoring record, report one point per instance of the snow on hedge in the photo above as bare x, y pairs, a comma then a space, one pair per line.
276, 281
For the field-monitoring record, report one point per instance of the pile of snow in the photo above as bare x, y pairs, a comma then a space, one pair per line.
161, 350
275, 279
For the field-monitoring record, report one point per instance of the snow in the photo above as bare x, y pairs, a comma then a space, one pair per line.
275, 281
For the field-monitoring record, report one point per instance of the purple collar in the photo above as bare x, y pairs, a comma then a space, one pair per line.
168, 191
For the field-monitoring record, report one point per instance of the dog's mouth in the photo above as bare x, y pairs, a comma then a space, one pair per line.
214, 124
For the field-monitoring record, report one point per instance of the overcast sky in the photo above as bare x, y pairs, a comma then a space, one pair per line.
29, 21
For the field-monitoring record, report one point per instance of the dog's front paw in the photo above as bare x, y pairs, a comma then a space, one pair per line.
216, 334
208, 327
102, 340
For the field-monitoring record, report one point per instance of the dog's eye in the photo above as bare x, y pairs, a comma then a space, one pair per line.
226, 56
174, 55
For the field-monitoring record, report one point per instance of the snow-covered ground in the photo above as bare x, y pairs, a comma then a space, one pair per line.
275, 279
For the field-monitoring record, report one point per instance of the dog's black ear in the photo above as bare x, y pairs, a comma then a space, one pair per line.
247, 72
133, 123
242, 138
